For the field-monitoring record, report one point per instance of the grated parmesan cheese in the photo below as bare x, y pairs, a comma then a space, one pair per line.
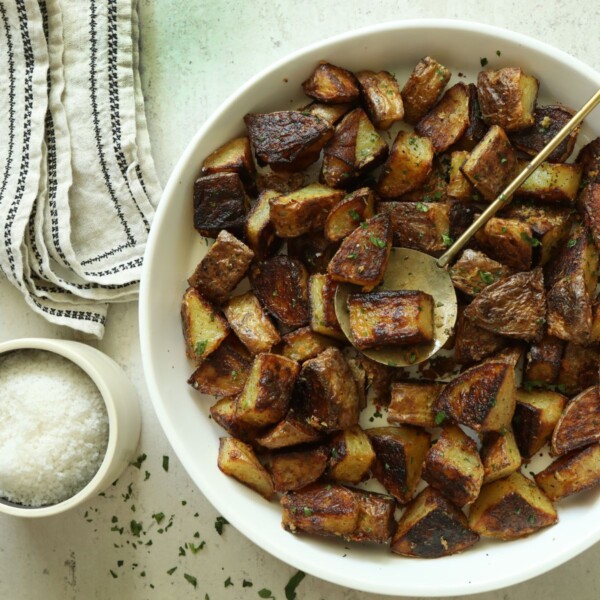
53, 428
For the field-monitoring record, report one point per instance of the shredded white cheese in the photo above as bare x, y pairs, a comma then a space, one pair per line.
53, 428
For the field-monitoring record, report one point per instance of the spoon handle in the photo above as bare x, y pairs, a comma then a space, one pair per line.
510, 189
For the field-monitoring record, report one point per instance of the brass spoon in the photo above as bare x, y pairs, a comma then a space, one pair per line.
413, 270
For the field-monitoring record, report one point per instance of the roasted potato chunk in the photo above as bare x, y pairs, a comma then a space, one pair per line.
552, 183
234, 156
574, 472
408, 165
352, 455
294, 470
238, 460
476, 128
509, 241
507, 97
363, 256
223, 413
474, 271
250, 323
589, 204
331, 113
578, 368
313, 249
399, 452
346, 216
543, 360
459, 187
259, 230
222, 268
499, 455
579, 424
522, 296
412, 403
381, 95
291, 431
423, 88
400, 318
372, 378
453, 466
204, 328
282, 182
302, 344
431, 527
589, 159
375, 517
329, 395
473, 343
322, 306
331, 84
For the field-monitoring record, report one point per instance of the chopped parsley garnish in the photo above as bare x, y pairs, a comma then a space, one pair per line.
334, 453
448, 241
194, 549
412, 357
191, 579
354, 215
378, 242
228, 582
219, 523
139, 460
487, 277
246, 583
158, 517
265, 593
352, 255
113, 574
307, 511
234, 374
498, 53
571, 243
292, 584
136, 527
275, 293
531, 519
440, 417
200, 347
530, 240
483, 61
422, 207
165, 463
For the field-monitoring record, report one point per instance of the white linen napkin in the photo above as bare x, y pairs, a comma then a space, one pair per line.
77, 181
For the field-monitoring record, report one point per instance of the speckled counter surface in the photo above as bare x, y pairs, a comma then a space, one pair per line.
154, 527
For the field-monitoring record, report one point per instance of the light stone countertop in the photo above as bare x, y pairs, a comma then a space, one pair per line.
194, 54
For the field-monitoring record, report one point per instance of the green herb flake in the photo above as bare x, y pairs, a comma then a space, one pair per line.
191, 579
246, 583
165, 463
194, 549
377, 414
503, 160
146, 475
483, 61
307, 511
334, 453
412, 357
136, 528
422, 207
200, 347
219, 523
486, 277
265, 593
448, 241
530, 240
354, 215
158, 517
498, 53
531, 519
228, 582
378, 242
113, 574
440, 417
571, 243
234, 374
292, 584
139, 460
275, 293
352, 255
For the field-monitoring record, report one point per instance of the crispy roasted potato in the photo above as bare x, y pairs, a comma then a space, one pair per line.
282, 182
204, 328
346, 216
223, 413
238, 460
408, 165
543, 360
400, 318
323, 318
461, 217
313, 249
507, 97
511, 508
574, 472
578, 368
434, 188
474, 271
473, 343
412, 403
372, 378
381, 95
250, 323
589, 159
375, 517
579, 424
291, 431
500, 455
509, 241
476, 128
514, 307
351, 455
294, 470
423, 88
588, 202
431, 527
302, 344
331, 84
234, 156
459, 186
399, 452
552, 183
453, 466
331, 113
259, 230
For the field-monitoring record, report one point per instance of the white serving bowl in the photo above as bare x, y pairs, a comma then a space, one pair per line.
124, 420
174, 249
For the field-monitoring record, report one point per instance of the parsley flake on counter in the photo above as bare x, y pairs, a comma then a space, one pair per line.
195, 549
136, 527
191, 579
265, 593
228, 582
158, 517
219, 522
246, 583
146, 475
139, 460
483, 61
171, 570
165, 463
113, 574
292, 584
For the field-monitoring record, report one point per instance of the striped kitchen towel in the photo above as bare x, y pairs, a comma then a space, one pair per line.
77, 181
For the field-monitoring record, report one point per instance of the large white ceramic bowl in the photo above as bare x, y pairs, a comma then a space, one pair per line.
174, 249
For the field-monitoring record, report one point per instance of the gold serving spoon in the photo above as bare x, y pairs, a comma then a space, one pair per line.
413, 270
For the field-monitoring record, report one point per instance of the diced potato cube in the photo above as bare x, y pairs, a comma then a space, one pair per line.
509, 241
331, 84
474, 271
291, 431
351, 455
260, 233
234, 156
346, 216
412, 403
302, 344
375, 517
313, 249
372, 378
473, 343
543, 360
223, 413
578, 368
500, 455
331, 113
294, 470
589, 159
323, 319
382, 97
551, 182
459, 187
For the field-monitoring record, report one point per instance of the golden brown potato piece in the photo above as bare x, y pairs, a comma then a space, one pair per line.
579, 424
507, 97
375, 517
412, 403
204, 328
434, 188
291, 431
290, 140
399, 452
476, 128
543, 360
407, 167
223, 413
351, 455
551, 182
423, 226
588, 203
514, 307
459, 187
302, 344
510, 355
282, 182
482, 397
234, 156
474, 271
313, 249
577, 471
220, 202
509, 241
399, 318
453, 466
250, 323
346, 216
259, 230
331, 84
473, 343
548, 121
589, 159
381, 95
354, 149
500, 455
578, 368
281, 285
492, 164
331, 113
372, 378
329, 394
431, 527
238, 460
363, 256
222, 268
294, 470
303, 210
536, 415
423, 88
321, 292
511, 508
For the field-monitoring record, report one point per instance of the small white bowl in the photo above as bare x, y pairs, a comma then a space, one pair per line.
124, 420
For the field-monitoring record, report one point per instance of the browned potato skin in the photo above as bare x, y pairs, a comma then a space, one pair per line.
234, 156
371, 377
291, 431
363, 256
423, 88
589, 159
589, 204
323, 318
556, 183
375, 518
346, 216
332, 113
282, 182
461, 217
500, 455
303, 343
332, 84
435, 187
508, 241
400, 318
448, 120
220, 202
572, 473
412, 403
514, 307
474, 271
473, 343
381, 95
543, 360
259, 230
476, 128
313, 249
352, 455
453, 466
578, 368
502, 100
223, 413
459, 187
579, 424
329, 394
432, 527
222, 268
511, 508
294, 470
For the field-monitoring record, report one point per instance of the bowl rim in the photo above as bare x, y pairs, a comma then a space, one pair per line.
145, 317
69, 349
